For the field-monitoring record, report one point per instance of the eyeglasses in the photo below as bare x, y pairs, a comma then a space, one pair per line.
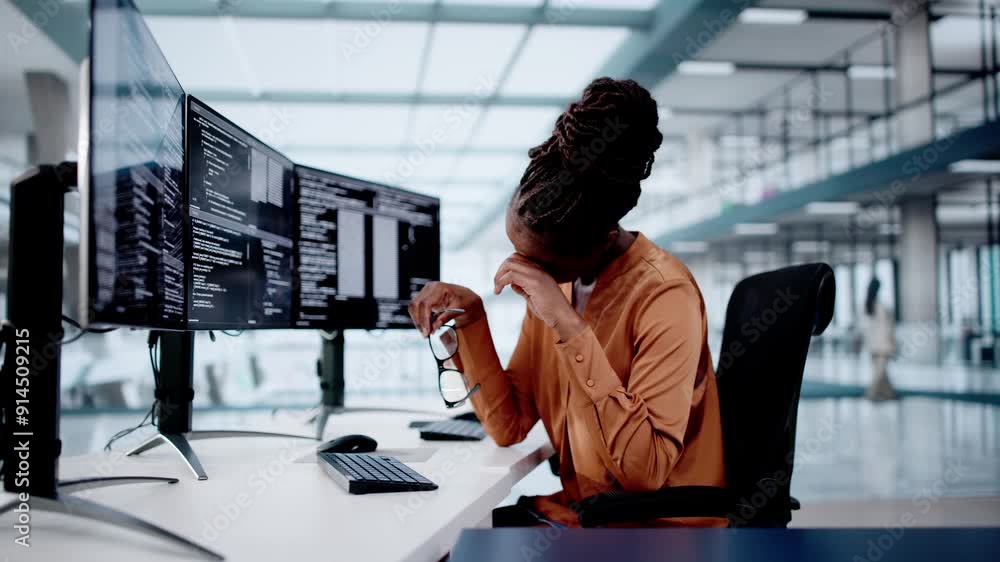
452, 384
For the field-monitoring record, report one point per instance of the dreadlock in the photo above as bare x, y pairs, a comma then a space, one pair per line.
585, 177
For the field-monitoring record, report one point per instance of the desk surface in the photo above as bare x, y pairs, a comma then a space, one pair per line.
266, 499
728, 545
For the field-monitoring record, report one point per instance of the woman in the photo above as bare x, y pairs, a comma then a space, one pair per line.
881, 344
612, 355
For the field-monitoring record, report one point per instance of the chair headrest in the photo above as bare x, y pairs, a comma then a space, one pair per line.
826, 295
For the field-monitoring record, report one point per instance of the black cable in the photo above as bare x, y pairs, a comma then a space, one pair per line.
145, 422
78, 326
235, 334
75, 337
150, 418
82, 331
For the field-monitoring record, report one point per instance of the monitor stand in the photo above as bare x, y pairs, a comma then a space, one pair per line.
34, 331
330, 369
175, 396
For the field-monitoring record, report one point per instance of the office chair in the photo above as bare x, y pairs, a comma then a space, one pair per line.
759, 381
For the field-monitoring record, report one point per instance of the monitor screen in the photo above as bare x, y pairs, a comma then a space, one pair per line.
132, 235
242, 226
365, 250
406, 251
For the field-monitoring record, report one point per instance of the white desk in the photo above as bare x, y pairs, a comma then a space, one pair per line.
266, 499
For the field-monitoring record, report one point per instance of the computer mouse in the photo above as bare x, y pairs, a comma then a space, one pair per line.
349, 444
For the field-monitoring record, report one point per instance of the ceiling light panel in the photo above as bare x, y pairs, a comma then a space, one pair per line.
560, 60
469, 58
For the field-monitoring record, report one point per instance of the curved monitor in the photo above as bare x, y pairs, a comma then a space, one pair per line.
365, 249
131, 177
242, 226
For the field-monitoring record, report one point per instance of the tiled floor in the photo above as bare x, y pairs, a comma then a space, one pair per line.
850, 449
855, 370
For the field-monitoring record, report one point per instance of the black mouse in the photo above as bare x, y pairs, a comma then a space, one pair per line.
349, 444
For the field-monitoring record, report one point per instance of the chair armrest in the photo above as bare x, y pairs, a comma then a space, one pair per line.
632, 507
794, 504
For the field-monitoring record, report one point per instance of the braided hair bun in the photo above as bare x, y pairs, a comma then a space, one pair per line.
585, 177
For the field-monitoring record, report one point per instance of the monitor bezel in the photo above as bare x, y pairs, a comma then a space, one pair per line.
85, 165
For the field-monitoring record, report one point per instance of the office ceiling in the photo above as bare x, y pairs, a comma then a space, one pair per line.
447, 96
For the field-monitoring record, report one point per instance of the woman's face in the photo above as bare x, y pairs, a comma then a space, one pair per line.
562, 268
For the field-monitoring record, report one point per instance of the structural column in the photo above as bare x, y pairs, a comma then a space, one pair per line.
55, 136
700, 159
913, 76
918, 279
917, 246
51, 113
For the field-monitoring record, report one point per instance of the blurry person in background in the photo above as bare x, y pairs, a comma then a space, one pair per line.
613, 355
881, 344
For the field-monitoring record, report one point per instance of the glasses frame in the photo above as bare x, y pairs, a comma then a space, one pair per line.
442, 368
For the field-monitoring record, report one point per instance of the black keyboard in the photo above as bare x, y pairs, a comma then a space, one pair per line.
362, 473
453, 430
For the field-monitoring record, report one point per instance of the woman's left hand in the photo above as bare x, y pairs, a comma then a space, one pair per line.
541, 291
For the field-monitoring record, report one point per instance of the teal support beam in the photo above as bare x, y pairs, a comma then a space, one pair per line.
977, 143
67, 24
287, 97
382, 149
403, 12
681, 29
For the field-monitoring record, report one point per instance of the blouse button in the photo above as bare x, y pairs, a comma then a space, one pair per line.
579, 358
590, 383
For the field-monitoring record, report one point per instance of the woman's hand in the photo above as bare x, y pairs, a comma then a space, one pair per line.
436, 296
543, 294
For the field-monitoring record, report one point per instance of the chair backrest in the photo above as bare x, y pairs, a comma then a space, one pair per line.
770, 320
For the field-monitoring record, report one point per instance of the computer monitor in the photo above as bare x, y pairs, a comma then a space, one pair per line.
131, 184
365, 249
406, 251
242, 226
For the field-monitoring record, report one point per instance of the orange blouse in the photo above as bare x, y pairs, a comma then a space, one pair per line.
629, 403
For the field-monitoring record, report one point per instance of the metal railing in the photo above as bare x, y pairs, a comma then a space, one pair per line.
794, 135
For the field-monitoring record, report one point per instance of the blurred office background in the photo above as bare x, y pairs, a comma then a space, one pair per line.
859, 133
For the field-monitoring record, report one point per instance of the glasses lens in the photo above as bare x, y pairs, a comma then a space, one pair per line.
454, 387
444, 343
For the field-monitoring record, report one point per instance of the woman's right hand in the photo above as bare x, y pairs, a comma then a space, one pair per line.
437, 296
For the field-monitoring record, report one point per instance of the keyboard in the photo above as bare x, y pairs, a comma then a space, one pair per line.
362, 473
453, 430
